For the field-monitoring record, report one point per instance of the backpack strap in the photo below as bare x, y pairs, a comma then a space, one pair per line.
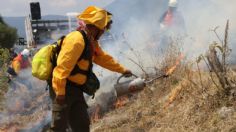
54, 59
87, 55
56, 52
59, 45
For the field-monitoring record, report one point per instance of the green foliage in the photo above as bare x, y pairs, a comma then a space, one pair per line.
8, 35
4, 59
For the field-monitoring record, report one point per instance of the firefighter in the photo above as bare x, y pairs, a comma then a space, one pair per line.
172, 26
172, 20
78, 50
21, 61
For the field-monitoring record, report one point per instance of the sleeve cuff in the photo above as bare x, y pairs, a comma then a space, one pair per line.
59, 86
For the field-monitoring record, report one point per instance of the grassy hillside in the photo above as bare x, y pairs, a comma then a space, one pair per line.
178, 103
199, 96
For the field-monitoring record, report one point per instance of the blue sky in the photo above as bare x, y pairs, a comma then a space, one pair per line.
59, 7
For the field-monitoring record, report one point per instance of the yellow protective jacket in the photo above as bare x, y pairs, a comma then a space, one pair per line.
71, 49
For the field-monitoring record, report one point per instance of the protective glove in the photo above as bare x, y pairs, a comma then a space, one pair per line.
127, 73
60, 99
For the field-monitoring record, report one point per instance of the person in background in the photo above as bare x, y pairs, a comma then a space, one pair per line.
172, 26
21, 61
172, 20
79, 49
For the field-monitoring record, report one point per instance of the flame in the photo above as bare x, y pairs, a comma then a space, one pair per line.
171, 69
174, 93
121, 101
96, 114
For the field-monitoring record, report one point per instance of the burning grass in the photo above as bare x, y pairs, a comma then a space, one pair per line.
97, 111
186, 101
173, 105
25, 108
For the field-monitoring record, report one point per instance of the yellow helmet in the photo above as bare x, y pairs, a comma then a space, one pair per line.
95, 16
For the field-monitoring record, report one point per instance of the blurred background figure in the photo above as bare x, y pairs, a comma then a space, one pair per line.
172, 20
172, 25
21, 61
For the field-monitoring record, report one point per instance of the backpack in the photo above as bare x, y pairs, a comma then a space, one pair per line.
45, 60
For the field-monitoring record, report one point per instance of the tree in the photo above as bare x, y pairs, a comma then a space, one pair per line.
1, 20
8, 35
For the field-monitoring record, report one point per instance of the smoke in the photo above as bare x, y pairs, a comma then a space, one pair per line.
141, 26
26, 107
200, 16
136, 33
204, 15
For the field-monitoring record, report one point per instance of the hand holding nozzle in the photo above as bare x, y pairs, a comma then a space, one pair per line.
127, 73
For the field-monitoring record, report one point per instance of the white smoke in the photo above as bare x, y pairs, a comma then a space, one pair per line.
138, 21
203, 15
136, 27
27, 104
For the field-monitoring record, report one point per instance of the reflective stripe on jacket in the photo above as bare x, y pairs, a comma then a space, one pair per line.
71, 49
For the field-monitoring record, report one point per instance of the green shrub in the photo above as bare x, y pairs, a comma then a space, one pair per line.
4, 60
8, 35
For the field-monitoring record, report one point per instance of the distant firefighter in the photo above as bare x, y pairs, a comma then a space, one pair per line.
172, 20
21, 61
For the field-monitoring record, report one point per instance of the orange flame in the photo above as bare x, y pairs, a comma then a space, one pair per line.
121, 101
171, 69
96, 116
174, 93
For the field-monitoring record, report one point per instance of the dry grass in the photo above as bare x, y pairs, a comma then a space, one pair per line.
186, 101
171, 106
